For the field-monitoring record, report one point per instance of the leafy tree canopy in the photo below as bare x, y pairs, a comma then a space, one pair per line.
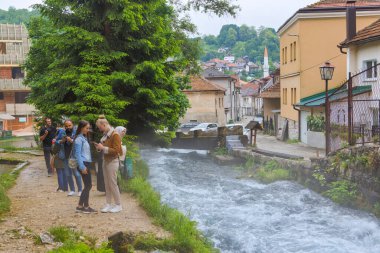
126, 59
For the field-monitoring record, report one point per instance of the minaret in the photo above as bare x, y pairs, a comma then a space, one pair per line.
266, 63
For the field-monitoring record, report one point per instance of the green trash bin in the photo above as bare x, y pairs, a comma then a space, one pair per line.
128, 167
8, 134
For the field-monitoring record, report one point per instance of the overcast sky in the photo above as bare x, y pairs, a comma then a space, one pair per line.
269, 13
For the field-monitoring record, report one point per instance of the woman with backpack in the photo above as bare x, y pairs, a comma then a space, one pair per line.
110, 146
83, 158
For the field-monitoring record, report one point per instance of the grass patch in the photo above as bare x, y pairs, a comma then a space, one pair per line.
7, 180
270, 172
75, 241
292, 141
14, 149
220, 151
185, 236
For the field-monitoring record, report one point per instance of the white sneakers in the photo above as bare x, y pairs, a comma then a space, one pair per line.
116, 209
79, 193
71, 193
111, 209
106, 208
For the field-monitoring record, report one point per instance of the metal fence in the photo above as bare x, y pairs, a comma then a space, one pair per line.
355, 111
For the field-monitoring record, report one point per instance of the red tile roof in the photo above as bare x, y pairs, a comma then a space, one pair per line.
369, 33
198, 84
343, 3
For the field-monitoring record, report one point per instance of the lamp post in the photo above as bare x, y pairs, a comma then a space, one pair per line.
327, 72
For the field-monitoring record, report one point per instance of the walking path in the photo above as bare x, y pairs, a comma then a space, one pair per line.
271, 144
37, 206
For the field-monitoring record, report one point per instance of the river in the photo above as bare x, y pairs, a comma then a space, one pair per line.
247, 216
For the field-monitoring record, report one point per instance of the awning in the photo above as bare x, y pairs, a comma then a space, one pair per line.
319, 98
6, 117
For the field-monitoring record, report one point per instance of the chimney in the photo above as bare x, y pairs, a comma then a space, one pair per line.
351, 19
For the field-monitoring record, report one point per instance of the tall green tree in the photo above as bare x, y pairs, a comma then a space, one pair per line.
126, 59
108, 57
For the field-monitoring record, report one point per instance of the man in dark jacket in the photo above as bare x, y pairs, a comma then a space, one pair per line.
47, 135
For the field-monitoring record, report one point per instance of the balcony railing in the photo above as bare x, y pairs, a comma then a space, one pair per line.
12, 32
14, 59
12, 85
19, 109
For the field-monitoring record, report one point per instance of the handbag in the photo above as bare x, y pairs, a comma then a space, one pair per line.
73, 163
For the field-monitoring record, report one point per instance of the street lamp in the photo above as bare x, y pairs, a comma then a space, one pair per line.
327, 72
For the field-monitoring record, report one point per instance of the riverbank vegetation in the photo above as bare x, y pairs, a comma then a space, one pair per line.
184, 234
266, 172
349, 177
7, 180
73, 241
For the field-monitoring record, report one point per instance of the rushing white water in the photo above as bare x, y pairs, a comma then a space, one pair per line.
247, 216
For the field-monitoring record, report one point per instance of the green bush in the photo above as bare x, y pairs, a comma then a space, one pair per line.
376, 209
221, 151
7, 180
75, 242
342, 192
316, 123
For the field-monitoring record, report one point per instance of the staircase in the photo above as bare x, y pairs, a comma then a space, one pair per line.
233, 142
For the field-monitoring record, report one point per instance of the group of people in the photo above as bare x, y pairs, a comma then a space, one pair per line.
68, 151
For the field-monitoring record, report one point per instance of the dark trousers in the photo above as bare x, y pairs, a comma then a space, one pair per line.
84, 197
47, 152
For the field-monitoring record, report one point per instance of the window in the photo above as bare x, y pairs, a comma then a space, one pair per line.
291, 52
371, 68
17, 73
293, 95
375, 116
3, 48
286, 55
283, 56
284, 96
295, 51
1, 95
20, 97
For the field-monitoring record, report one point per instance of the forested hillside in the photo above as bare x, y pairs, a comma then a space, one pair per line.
242, 41
16, 16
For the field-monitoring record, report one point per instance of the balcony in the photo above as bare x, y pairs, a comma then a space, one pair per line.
12, 32
12, 85
12, 59
19, 109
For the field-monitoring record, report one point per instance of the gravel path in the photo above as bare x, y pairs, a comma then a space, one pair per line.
36, 207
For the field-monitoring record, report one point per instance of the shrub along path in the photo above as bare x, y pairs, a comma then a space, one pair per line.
36, 207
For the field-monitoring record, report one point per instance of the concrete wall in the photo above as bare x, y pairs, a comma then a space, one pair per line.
205, 107
292, 128
271, 104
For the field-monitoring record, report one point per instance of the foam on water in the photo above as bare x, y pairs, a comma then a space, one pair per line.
247, 216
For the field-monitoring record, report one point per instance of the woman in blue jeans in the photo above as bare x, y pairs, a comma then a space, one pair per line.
82, 153
66, 138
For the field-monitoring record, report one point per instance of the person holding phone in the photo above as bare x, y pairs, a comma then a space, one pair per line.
82, 153
66, 138
110, 146
47, 134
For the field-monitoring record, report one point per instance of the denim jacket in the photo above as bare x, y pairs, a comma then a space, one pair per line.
82, 151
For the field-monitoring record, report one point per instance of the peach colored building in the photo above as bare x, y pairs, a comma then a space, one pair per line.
206, 102
308, 39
